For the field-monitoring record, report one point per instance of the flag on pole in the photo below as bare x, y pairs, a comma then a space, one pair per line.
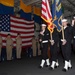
57, 13
46, 14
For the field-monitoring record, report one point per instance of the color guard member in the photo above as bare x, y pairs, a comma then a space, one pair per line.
54, 42
66, 45
44, 39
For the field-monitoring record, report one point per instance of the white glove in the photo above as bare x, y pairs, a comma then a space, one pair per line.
52, 42
72, 22
41, 33
63, 41
40, 40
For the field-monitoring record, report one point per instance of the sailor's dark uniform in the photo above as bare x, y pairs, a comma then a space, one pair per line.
54, 49
66, 49
45, 41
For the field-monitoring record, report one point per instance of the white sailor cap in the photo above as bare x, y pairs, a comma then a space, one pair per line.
43, 24
64, 20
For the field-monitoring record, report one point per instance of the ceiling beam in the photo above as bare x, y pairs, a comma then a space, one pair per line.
29, 2
72, 2
16, 6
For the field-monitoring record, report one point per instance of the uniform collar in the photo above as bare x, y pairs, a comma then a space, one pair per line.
65, 27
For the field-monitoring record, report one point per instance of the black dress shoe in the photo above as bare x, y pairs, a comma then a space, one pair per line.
51, 68
64, 70
47, 65
40, 67
69, 67
56, 66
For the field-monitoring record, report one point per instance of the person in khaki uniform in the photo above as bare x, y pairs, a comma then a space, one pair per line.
18, 46
34, 45
0, 46
9, 46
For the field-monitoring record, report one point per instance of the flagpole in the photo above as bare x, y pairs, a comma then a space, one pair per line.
63, 37
51, 31
62, 32
51, 35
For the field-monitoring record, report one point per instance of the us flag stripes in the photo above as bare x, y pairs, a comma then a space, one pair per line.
46, 14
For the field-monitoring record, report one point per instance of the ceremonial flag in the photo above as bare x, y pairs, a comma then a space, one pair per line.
57, 13
46, 14
13, 25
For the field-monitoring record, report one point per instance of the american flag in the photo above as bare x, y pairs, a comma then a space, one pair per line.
46, 14
13, 25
